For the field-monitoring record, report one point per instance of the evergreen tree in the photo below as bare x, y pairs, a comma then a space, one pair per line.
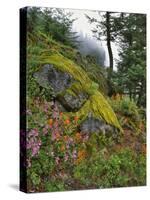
132, 64
53, 22
105, 29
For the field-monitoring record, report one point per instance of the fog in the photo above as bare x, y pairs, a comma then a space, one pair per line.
89, 44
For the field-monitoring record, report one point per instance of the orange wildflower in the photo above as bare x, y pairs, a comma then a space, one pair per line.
67, 121
62, 148
50, 122
57, 136
66, 137
81, 155
78, 136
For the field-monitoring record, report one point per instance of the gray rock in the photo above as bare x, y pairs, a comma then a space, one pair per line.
73, 102
93, 125
51, 78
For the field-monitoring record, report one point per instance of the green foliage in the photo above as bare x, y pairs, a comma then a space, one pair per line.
35, 179
126, 107
52, 21
119, 170
131, 75
54, 187
92, 162
129, 31
128, 113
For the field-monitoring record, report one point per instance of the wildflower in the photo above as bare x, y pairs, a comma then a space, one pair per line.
35, 150
78, 136
39, 142
45, 130
53, 135
33, 132
70, 140
33, 142
80, 156
67, 121
66, 157
74, 154
66, 137
86, 137
57, 136
67, 146
50, 122
46, 107
62, 148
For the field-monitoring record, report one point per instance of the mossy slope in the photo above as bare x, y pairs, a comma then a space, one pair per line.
96, 104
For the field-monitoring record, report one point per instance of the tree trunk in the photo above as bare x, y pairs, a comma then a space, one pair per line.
109, 41
141, 97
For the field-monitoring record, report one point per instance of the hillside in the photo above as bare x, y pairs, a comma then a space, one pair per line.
78, 137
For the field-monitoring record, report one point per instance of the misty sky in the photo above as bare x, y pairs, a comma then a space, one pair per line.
82, 25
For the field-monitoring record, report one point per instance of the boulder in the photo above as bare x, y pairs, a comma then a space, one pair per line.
51, 78
73, 102
93, 125
71, 96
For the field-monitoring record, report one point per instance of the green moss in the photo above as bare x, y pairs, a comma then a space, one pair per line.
99, 107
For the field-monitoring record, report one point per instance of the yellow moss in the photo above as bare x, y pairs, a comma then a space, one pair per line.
99, 108
76, 87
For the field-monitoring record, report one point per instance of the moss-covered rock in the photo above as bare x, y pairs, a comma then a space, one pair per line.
80, 84
96, 103
49, 77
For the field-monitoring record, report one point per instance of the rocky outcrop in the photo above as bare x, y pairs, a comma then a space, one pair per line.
50, 77
78, 94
